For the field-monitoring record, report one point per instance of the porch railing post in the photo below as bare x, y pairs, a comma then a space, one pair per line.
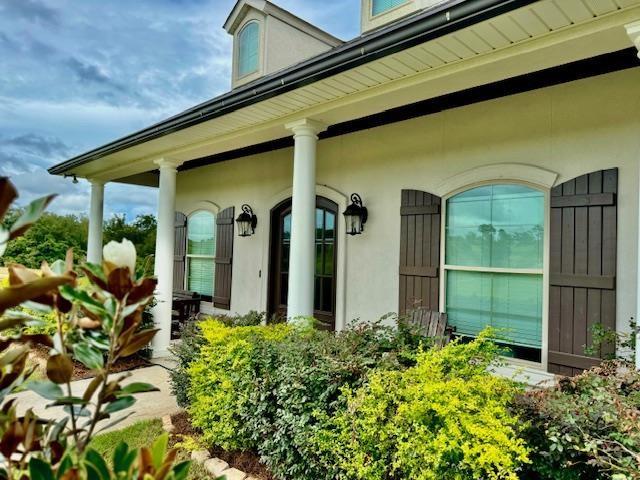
303, 209
164, 255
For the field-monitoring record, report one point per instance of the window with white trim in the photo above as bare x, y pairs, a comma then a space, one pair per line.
381, 6
248, 49
201, 252
494, 260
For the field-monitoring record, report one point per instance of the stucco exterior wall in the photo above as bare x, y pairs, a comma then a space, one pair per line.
569, 129
288, 45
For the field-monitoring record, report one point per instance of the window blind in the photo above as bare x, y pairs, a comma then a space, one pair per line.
248, 49
381, 6
201, 251
494, 244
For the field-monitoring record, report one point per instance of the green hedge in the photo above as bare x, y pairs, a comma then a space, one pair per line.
445, 418
372, 403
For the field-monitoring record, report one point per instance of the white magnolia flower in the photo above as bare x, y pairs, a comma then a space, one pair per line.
121, 254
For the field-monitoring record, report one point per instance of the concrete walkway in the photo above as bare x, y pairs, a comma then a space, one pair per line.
148, 406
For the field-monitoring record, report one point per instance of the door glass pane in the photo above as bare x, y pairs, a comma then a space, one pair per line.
201, 272
286, 248
319, 258
330, 226
328, 259
509, 302
319, 223
201, 234
317, 294
496, 226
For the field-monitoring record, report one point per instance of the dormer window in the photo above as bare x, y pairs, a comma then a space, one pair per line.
381, 6
249, 49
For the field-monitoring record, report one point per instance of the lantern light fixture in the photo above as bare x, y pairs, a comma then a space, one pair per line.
356, 215
247, 222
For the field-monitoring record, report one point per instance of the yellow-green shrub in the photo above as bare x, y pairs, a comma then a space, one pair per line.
445, 418
220, 379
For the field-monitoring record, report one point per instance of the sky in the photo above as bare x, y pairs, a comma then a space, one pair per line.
75, 74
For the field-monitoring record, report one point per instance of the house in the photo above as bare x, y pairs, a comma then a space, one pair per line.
495, 145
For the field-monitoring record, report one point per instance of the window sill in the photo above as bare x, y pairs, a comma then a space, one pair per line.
529, 373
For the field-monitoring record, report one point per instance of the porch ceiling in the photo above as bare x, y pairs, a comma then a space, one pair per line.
535, 37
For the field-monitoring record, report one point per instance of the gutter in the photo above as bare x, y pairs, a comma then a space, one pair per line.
401, 35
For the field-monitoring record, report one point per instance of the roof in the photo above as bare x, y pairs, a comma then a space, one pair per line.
414, 29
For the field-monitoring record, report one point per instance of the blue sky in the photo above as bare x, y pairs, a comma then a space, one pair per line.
75, 74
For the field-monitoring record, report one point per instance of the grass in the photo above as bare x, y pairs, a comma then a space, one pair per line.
141, 434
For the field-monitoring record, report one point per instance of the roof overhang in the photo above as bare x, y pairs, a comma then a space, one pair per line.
452, 47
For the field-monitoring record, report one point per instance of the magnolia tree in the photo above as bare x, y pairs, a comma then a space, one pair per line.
98, 323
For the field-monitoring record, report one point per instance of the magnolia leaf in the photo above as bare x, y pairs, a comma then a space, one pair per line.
13, 319
82, 297
77, 410
158, 450
138, 342
89, 356
59, 369
40, 470
138, 388
13, 355
120, 404
32, 212
92, 387
58, 267
16, 295
62, 401
8, 194
123, 458
46, 389
110, 425
88, 324
94, 458
181, 470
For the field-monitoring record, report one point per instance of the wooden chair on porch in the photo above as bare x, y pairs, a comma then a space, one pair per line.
430, 324
185, 306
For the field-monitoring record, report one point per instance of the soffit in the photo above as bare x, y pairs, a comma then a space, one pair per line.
538, 36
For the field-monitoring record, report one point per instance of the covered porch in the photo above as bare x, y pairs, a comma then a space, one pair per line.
426, 65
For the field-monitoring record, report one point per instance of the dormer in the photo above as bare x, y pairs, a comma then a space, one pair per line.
267, 38
377, 13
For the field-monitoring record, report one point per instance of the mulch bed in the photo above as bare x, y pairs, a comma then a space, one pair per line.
248, 462
80, 372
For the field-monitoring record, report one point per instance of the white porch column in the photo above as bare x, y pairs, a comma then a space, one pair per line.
164, 255
633, 30
303, 214
96, 215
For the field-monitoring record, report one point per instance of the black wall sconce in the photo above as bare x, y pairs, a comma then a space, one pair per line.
247, 222
355, 215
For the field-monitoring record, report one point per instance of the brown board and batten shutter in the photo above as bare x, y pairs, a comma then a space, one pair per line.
419, 251
224, 259
582, 292
179, 250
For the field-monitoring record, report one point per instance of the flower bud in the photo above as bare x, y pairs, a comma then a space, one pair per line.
121, 254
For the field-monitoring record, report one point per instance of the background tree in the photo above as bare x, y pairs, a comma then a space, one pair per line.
51, 237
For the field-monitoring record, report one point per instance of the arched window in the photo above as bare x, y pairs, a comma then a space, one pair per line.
201, 252
494, 251
248, 49
381, 6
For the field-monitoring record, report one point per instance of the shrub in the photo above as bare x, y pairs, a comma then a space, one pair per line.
301, 375
220, 380
445, 418
587, 426
188, 350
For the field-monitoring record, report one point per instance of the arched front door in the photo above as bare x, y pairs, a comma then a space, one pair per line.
326, 254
